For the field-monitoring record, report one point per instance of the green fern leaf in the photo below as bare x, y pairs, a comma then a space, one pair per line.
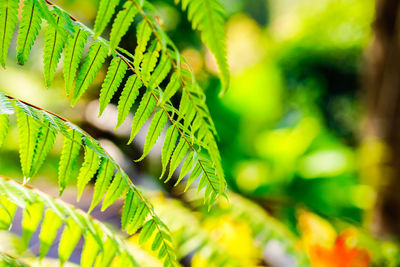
177, 156
143, 34
53, 45
208, 17
88, 169
77, 223
32, 215
128, 97
69, 239
134, 213
148, 229
91, 66
146, 107
3, 128
28, 29
104, 14
121, 24
8, 21
171, 89
117, 188
45, 141
102, 182
187, 166
7, 212
115, 74
28, 130
169, 145
150, 60
50, 225
69, 156
89, 251
160, 72
155, 129
107, 255
73, 55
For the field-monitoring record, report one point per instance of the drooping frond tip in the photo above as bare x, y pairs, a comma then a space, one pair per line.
208, 17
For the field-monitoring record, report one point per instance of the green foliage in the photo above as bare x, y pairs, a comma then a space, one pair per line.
77, 223
72, 56
156, 126
53, 46
90, 67
150, 66
8, 21
208, 17
28, 29
104, 14
30, 119
121, 24
189, 234
128, 97
115, 74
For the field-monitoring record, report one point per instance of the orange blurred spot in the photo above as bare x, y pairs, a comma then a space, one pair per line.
340, 255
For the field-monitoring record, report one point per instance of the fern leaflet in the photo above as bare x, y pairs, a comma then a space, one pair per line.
53, 46
115, 74
142, 114
104, 14
28, 29
91, 66
69, 156
8, 21
156, 126
121, 24
72, 56
128, 97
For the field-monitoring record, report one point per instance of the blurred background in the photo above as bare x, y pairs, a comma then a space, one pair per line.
309, 133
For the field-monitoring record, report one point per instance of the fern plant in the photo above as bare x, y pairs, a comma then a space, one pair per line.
156, 68
154, 62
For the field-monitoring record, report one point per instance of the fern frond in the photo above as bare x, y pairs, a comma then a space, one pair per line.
74, 139
53, 45
128, 97
208, 17
150, 66
36, 204
121, 24
73, 55
28, 29
115, 74
8, 21
91, 66
104, 14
